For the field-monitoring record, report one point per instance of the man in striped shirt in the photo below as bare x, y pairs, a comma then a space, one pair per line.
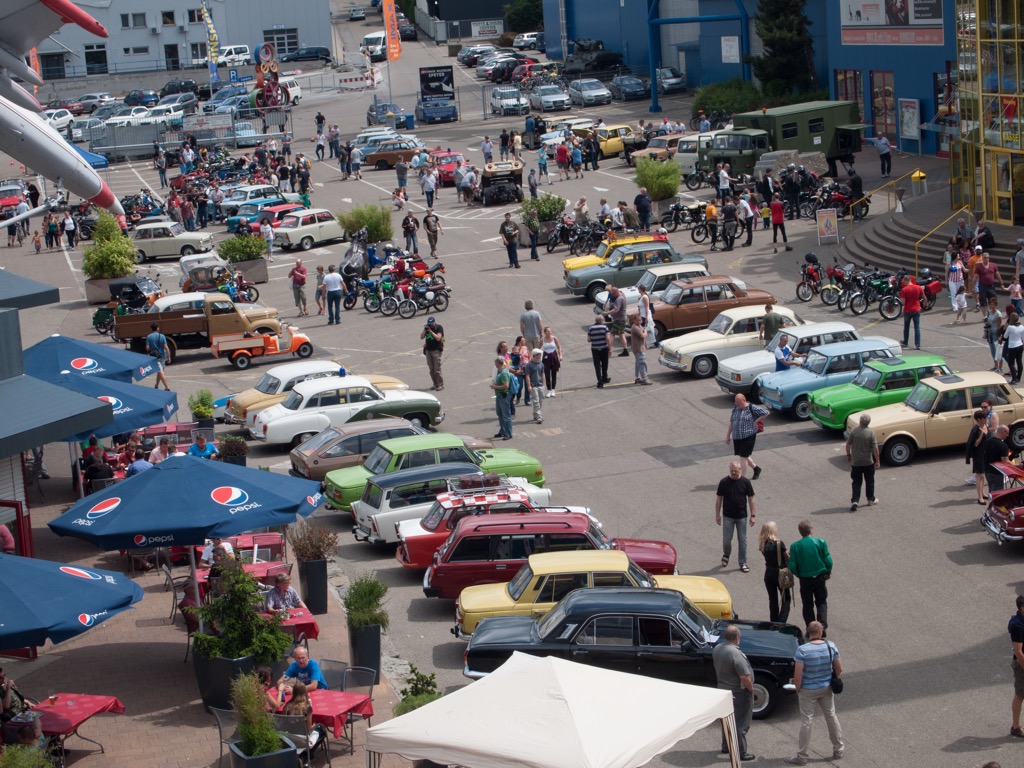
815, 662
600, 338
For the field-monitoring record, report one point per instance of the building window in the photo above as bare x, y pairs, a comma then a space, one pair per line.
126, 19
51, 66
883, 102
138, 21
140, 50
195, 16
789, 131
96, 59
167, 18
284, 40
198, 51
850, 87
816, 125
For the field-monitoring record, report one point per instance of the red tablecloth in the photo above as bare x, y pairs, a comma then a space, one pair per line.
73, 709
301, 622
331, 708
241, 543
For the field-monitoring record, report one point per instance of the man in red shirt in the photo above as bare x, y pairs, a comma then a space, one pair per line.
562, 160
987, 274
912, 295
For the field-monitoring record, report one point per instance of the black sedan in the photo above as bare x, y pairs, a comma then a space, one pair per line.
407, 30
377, 114
654, 632
627, 87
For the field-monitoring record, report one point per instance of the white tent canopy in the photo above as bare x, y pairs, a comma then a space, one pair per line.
551, 713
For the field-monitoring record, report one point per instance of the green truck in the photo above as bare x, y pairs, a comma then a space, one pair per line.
830, 127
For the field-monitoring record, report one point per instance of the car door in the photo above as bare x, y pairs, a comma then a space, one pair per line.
893, 388
347, 452
841, 369
468, 563
329, 227
950, 420
423, 458
667, 652
551, 590
804, 345
338, 405
720, 297
691, 311
606, 641
743, 336
999, 397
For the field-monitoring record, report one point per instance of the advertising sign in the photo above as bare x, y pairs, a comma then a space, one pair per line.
437, 84
828, 224
910, 119
492, 28
212, 44
891, 22
394, 40
730, 50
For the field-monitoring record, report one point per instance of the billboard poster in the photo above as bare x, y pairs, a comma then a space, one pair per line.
910, 119
437, 84
827, 221
394, 40
491, 28
891, 22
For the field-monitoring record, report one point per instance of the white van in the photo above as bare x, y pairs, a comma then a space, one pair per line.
689, 148
294, 89
234, 55
376, 45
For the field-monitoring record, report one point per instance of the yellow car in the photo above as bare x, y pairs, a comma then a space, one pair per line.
605, 249
609, 138
278, 381
547, 578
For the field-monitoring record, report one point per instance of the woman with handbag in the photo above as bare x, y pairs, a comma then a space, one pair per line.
777, 577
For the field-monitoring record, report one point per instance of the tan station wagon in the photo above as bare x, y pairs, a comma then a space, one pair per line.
937, 414
659, 147
692, 303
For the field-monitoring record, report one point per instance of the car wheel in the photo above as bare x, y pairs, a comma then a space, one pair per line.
1017, 436
593, 289
241, 361
766, 697
140, 256
305, 350
187, 250
802, 408
704, 367
418, 419
381, 165
660, 331
306, 243
900, 451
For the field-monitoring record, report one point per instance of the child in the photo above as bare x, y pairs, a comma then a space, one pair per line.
37, 241
1015, 295
960, 305
766, 215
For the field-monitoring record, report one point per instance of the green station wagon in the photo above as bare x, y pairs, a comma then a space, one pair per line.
625, 266
343, 486
879, 382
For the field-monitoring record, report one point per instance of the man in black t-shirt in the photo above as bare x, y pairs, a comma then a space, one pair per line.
1016, 630
433, 346
734, 493
995, 449
730, 222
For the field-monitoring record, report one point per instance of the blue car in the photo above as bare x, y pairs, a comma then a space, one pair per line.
825, 366
250, 212
628, 87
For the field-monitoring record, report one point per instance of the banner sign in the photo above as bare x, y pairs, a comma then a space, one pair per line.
394, 40
212, 44
828, 224
437, 84
910, 119
492, 28
891, 22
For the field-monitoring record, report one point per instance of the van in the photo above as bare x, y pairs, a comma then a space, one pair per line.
376, 45
234, 55
491, 550
689, 148
293, 88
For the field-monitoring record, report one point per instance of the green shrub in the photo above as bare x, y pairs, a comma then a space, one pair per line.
256, 732
660, 178
730, 96
422, 690
364, 602
547, 207
312, 541
376, 219
106, 229
409, 703
110, 255
248, 248
201, 404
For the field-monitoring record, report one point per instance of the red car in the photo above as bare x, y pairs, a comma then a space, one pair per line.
446, 162
1004, 518
275, 213
76, 108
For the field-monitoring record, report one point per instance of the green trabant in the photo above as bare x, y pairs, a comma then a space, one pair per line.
343, 486
880, 382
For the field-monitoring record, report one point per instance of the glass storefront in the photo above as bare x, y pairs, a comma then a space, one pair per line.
987, 164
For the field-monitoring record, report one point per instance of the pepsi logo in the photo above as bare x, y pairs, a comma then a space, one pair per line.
79, 572
104, 507
84, 364
229, 496
140, 540
114, 402
86, 620
314, 500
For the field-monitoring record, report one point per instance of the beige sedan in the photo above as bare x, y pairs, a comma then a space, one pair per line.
168, 238
308, 228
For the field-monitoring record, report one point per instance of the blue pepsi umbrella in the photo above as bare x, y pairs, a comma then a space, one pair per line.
134, 406
185, 500
59, 355
41, 600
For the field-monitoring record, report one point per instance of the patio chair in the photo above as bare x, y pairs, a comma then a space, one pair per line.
306, 742
334, 673
358, 680
274, 542
175, 585
227, 724
263, 555
274, 570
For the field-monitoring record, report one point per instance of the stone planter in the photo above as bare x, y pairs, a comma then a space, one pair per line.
215, 675
660, 207
98, 291
313, 582
282, 758
255, 271
546, 227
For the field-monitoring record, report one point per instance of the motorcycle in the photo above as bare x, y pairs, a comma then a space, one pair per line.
810, 278
840, 198
891, 306
876, 286
423, 295
679, 215
586, 238
838, 279
560, 234
376, 291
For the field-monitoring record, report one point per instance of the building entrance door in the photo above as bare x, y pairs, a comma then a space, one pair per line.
998, 187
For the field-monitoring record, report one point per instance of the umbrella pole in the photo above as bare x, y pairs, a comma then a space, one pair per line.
195, 581
73, 450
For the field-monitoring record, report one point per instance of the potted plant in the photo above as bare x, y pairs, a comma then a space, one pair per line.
111, 256
662, 182
201, 406
237, 637
313, 545
246, 255
546, 210
259, 744
376, 219
17, 756
364, 607
422, 690
233, 450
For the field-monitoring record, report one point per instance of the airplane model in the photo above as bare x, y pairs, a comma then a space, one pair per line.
24, 135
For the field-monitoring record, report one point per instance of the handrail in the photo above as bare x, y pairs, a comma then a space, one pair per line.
953, 215
888, 192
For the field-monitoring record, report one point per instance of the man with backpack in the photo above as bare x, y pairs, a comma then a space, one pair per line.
156, 346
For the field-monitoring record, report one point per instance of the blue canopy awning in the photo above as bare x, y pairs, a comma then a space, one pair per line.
94, 160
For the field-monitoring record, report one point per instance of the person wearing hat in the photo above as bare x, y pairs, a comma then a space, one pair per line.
432, 225
533, 373
433, 346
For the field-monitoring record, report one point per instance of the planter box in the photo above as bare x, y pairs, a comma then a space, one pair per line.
313, 582
215, 675
660, 207
255, 271
365, 645
98, 291
238, 461
283, 758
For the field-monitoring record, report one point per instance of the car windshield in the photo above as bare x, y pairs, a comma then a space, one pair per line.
377, 462
592, 85
921, 398
315, 443
657, 143
815, 362
289, 222
648, 280
293, 402
520, 582
248, 210
668, 72
269, 385
125, 112
721, 324
693, 616
868, 378
633, 81
433, 518
672, 293
549, 90
598, 537
554, 618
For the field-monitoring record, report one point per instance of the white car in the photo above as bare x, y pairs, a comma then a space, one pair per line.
655, 280
304, 229
588, 92
86, 129
556, 135
167, 116
250, 192
168, 238
277, 381
548, 98
93, 101
734, 332
525, 40
128, 116
59, 119
508, 100
314, 405
739, 374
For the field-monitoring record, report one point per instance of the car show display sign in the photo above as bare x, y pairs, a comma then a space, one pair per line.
891, 22
437, 84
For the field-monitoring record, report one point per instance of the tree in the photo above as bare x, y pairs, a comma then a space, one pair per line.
787, 62
525, 15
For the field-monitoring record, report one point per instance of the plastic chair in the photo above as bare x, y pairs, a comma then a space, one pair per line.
263, 555
206, 432
273, 572
334, 673
274, 542
227, 724
306, 742
172, 584
358, 680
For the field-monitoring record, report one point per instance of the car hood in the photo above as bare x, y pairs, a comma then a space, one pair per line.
505, 630
348, 477
407, 396
485, 597
410, 529
251, 398
648, 554
694, 340
791, 377
554, 97
750, 361
887, 418
703, 590
842, 394
580, 262
765, 639
511, 462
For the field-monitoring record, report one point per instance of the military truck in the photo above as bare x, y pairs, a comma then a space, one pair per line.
830, 127
590, 56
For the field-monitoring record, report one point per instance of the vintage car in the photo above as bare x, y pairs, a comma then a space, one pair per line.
604, 251
547, 578
136, 293
385, 154
548, 98
556, 133
275, 213
350, 444
734, 332
693, 302
1003, 519
658, 148
879, 382
187, 265
420, 539
407, 495
377, 114
790, 390
626, 265
500, 183
343, 486
656, 279
491, 549
610, 138
253, 213
446, 161
589, 92
241, 195
937, 414
653, 632
304, 229
314, 405
152, 241
739, 374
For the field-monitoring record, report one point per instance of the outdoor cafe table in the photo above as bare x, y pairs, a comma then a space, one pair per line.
301, 622
259, 570
70, 711
332, 708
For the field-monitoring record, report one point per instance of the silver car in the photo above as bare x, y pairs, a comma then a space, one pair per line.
508, 101
548, 98
589, 92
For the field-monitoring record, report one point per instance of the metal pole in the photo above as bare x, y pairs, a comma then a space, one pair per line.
390, 99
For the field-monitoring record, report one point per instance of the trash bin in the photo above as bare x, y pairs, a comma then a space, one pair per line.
389, 118
410, 121
919, 183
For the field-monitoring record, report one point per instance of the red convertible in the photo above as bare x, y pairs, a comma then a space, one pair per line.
446, 161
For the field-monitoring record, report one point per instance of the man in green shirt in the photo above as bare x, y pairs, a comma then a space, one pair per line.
772, 324
810, 561
501, 383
